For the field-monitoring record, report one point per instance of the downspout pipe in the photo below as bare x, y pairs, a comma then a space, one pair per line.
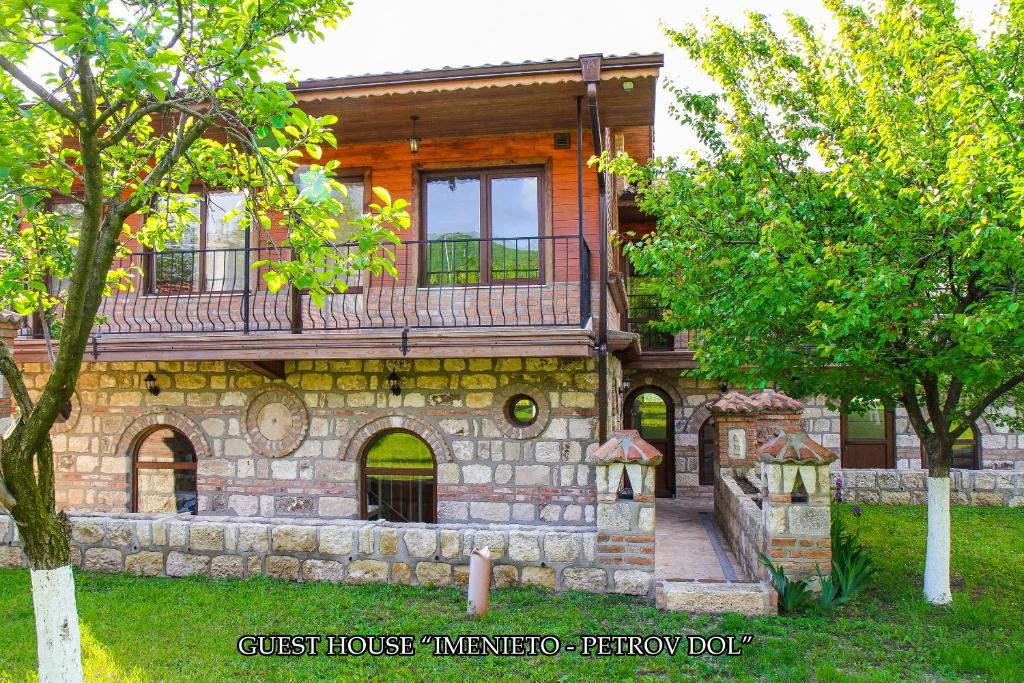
590, 66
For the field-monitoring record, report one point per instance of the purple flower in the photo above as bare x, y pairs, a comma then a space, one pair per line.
856, 510
839, 482
839, 495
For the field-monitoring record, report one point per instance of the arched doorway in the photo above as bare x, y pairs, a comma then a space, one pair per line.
966, 453
398, 479
164, 472
707, 451
650, 411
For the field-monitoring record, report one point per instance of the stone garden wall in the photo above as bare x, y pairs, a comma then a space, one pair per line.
487, 469
742, 521
559, 558
967, 487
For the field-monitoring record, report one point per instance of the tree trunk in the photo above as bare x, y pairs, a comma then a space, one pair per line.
57, 635
937, 553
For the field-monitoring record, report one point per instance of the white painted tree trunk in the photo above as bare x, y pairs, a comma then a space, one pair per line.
936, 561
57, 634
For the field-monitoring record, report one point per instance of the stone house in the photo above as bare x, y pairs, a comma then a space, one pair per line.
476, 386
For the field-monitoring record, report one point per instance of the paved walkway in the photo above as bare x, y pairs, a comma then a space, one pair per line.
688, 545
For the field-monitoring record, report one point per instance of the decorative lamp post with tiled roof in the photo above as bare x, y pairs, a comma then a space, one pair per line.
625, 522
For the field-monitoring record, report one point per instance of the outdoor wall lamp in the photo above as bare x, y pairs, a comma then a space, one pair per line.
151, 386
414, 140
396, 388
624, 387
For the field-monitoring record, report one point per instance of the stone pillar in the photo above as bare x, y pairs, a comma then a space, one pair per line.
795, 502
736, 420
625, 511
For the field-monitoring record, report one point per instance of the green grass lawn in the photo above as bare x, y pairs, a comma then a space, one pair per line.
165, 629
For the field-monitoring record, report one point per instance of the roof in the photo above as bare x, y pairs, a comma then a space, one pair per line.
768, 400
466, 73
626, 445
794, 446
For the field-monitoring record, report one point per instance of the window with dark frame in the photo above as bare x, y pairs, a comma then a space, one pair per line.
208, 253
966, 453
354, 204
399, 479
164, 473
483, 227
73, 213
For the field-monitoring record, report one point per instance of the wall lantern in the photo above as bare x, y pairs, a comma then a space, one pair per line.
151, 386
396, 389
414, 140
624, 387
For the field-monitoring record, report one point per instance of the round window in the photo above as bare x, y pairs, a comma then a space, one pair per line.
522, 410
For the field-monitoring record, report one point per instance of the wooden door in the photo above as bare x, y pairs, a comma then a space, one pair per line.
869, 440
650, 411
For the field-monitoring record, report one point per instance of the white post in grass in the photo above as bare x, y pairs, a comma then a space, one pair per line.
937, 552
57, 636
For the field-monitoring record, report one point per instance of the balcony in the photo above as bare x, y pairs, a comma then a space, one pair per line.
479, 291
658, 349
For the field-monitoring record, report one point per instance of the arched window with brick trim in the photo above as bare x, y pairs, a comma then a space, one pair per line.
164, 472
399, 479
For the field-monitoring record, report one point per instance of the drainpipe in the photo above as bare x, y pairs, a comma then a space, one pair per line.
590, 65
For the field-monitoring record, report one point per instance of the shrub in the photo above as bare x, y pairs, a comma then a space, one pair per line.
851, 566
794, 595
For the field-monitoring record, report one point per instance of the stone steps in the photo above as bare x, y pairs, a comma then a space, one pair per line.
703, 597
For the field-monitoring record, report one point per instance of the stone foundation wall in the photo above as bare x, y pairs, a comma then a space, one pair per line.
967, 487
741, 519
559, 558
487, 471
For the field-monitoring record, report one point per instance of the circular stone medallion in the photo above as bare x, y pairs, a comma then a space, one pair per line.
276, 422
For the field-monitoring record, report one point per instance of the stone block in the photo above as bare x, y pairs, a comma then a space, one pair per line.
505, 576
87, 531
450, 545
492, 512
144, 564
633, 582
388, 542
494, 540
476, 474
448, 473
368, 571
808, 520
253, 538
613, 516
533, 475
421, 542
524, 546
452, 511
185, 564
204, 536
11, 557
294, 538
539, 576
103, 560
461, 574
584, 579
227, 566
561, 547
335, 540
434, 573
323, 570
283, 567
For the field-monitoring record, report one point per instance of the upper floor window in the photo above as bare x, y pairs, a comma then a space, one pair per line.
868, 439
72, 213
207, 253
353, 205
483, 227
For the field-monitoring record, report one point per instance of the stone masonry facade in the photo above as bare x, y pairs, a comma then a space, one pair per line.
338, 551
487, 471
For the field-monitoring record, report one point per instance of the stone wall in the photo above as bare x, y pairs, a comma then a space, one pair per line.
486, 471
967, 487
740, 518
560, 558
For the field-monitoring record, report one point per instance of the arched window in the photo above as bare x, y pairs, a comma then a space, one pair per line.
164, 472
399, 479
966, 451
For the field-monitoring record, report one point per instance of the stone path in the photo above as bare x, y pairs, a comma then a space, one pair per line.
686, 540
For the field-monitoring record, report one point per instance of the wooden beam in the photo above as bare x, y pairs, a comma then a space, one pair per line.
273, 369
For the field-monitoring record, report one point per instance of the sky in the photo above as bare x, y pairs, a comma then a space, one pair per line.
399, 35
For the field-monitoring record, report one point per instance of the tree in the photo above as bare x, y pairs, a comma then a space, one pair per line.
146, 100
852, 226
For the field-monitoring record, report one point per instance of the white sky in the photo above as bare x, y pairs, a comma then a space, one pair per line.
399, 35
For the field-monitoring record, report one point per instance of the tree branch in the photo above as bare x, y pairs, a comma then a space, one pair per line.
990, 398
41, 92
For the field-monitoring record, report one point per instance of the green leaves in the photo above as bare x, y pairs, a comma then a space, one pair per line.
851, 223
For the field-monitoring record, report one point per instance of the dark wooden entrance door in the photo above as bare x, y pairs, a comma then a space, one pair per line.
869, 440
708, 451
650, 411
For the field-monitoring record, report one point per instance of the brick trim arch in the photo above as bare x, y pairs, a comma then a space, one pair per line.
372, 428
163, 418
645, 379
699, 416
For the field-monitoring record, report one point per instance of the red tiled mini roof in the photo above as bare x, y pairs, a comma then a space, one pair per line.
794, 445
766, 400
625, 445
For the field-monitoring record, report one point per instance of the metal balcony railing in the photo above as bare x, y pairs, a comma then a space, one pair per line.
450, 283
644, 310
